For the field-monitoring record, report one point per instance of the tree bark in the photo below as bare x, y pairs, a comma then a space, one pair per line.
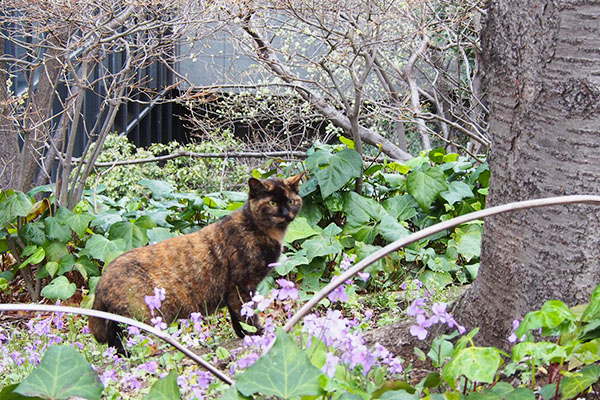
9, 150
541, 61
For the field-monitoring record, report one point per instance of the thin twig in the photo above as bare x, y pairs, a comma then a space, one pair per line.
442, 226
124, 320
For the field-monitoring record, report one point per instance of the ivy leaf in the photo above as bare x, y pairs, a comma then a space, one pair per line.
299, 229
285, 371
572, 385
539, 350
593, 308
401, 207
158, 188
133, 235
56, 231
457, 191
8, 393
468, 241
165, 388
101, 248
343, 166
159, 234
424, 186
59, 288
62, 373
79, 222
16, 205
478, 364
33, 232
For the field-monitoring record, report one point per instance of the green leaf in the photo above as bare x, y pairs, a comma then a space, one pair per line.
56, 231
478, 364
468, 241
362, 216
391, 229
79, 222
401, 207
593, 308
16, 205
62, 373
101, 248
52, 267
165, 388
37, 257
457, 191
285, 371
544, 351
59, 288
133, 235
159, 234
232, 394
572, 385
159, 188
7, 393
552, 314
399, 395
299, 229
343, 166
424, 186
33, 232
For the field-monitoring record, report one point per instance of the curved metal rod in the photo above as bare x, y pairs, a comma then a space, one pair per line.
520, 205
124, 320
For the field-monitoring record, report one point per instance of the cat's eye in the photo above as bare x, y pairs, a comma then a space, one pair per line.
272, 204
291, 202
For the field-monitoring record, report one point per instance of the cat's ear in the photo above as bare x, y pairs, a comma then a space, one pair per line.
293, 181
256, 186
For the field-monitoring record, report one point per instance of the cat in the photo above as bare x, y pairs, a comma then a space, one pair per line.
219, 265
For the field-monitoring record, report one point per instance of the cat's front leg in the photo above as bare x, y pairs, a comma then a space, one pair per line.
234, 305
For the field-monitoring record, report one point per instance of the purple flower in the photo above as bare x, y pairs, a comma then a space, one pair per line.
347, 261
247, 361
368, 315
108, 375
150, 366
16, 356
338, 294
85, 330
40, 328
203, 379
262, 302
416, 308
418, 283
78, 345
364, 276
131, 381
247, 310
395, 365
133, 330
420, 329
54, 339
513, 336
182, 383
330, 363
154, 302
330, 329
158, 323
403, 286
288, 289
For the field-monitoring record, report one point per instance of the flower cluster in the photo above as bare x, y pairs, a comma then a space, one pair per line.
513, 336
335, 331
424, 320
339, 293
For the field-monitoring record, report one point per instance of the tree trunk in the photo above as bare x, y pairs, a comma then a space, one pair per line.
541, 61
9, 150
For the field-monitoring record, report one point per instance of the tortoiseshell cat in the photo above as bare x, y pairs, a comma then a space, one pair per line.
217, 266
